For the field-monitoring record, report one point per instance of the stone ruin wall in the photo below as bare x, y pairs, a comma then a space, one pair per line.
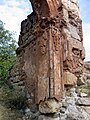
51, 51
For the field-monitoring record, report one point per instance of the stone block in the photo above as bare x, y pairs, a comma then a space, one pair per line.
69, 78
49, 106
73, 31
83, 101
74, 9
43, 117
65, 15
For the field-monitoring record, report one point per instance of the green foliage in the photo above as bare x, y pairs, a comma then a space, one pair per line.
12, 98
88, 77
87, 87
7, 52
8, 114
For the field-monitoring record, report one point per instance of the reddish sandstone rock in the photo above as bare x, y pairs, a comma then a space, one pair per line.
50, 44
70, 79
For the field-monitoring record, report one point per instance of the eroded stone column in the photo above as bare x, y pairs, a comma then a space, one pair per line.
52, 45
41, 42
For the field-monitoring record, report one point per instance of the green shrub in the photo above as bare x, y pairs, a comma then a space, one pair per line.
88, 77
86, 87
13, 98
8, 46
8, 114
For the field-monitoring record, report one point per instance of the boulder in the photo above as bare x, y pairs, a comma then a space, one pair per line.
83, 102
43, 117
83, 95
49, 106
69, 78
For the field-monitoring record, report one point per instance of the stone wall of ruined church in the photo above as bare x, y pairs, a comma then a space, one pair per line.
73, 49
51, 48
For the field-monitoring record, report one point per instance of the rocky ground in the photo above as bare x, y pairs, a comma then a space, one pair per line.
75, 104
15, 103
72, 107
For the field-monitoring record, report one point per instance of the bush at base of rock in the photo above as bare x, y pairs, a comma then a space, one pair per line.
84, 89
14, 98
8, 114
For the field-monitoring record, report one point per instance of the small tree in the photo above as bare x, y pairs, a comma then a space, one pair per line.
7, 52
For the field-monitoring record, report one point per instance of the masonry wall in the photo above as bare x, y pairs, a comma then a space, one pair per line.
51, 48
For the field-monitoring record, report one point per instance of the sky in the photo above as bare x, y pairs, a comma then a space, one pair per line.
12, 12
85, 15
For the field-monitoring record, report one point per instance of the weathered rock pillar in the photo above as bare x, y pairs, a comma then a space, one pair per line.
51, 49
41, 43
